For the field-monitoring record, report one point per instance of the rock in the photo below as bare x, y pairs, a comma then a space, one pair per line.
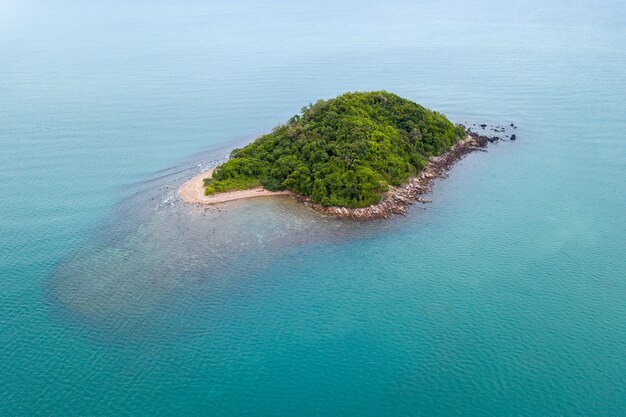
483, 125
397, 199
513, 136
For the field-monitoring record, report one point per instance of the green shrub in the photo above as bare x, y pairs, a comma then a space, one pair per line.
230, 184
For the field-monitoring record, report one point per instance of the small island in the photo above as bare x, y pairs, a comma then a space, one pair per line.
361, 155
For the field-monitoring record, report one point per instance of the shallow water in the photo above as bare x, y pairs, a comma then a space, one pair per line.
504, 296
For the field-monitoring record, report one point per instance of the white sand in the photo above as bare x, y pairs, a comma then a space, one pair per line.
193, 192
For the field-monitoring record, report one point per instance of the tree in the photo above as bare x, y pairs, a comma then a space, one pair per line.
344, 151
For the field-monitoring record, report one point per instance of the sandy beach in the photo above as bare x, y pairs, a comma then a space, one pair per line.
193, 192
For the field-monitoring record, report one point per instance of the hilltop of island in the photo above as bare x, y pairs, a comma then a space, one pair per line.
359, 155
342, 152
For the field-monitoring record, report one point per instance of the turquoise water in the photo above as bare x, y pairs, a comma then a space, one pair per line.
504, 296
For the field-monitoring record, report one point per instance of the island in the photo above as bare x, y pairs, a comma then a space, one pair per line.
361, 155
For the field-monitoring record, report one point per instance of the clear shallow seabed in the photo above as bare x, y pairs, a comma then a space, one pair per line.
505, 296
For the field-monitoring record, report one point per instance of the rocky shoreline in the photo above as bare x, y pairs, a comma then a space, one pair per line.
397, 199
394, 201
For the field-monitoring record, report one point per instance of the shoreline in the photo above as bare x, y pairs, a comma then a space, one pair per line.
192, 191
397, 199
394, 201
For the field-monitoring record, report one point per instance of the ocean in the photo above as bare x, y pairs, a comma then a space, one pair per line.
505, 296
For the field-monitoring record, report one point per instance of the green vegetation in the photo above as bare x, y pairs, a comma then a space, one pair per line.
229, 184
345, 151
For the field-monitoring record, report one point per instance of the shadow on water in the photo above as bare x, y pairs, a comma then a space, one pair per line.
154, 252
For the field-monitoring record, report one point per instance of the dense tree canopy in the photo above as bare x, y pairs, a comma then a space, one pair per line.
344, 151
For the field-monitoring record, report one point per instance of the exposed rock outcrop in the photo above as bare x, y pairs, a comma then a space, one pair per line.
397, 199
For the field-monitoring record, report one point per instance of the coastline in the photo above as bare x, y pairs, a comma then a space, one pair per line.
397, 199
394, 201
192, 192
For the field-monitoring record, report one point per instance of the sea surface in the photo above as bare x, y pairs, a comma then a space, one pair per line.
505, 296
